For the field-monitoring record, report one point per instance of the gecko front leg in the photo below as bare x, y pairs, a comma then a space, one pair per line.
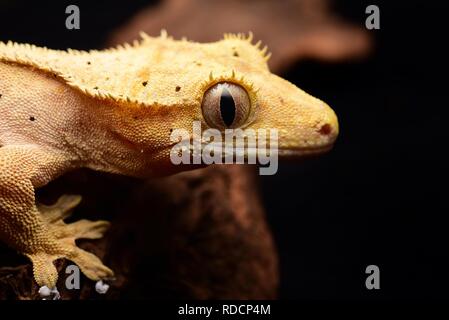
38, 231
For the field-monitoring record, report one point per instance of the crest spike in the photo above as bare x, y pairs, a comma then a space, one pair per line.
268, 56
164, 34
144, 35
250, 37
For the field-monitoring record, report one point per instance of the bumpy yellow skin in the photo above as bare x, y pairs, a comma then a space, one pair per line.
113, 111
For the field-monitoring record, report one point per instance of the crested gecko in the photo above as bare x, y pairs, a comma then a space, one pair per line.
114, 111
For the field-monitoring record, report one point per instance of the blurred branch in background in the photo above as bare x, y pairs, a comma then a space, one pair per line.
292, 29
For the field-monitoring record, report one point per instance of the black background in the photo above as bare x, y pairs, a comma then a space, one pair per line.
380, 196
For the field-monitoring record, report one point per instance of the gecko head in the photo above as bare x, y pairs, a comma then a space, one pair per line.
226, 85
234, 89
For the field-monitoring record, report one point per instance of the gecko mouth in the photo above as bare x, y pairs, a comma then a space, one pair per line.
300, 152
287, 153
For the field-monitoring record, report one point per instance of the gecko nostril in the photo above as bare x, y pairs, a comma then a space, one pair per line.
325, 129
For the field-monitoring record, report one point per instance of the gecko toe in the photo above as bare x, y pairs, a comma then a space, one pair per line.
61, 210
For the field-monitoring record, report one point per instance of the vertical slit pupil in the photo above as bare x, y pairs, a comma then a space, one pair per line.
227, 107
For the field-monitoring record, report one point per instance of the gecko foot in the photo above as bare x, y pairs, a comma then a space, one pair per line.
60, 243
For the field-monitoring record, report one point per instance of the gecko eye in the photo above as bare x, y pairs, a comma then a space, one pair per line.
225, 105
